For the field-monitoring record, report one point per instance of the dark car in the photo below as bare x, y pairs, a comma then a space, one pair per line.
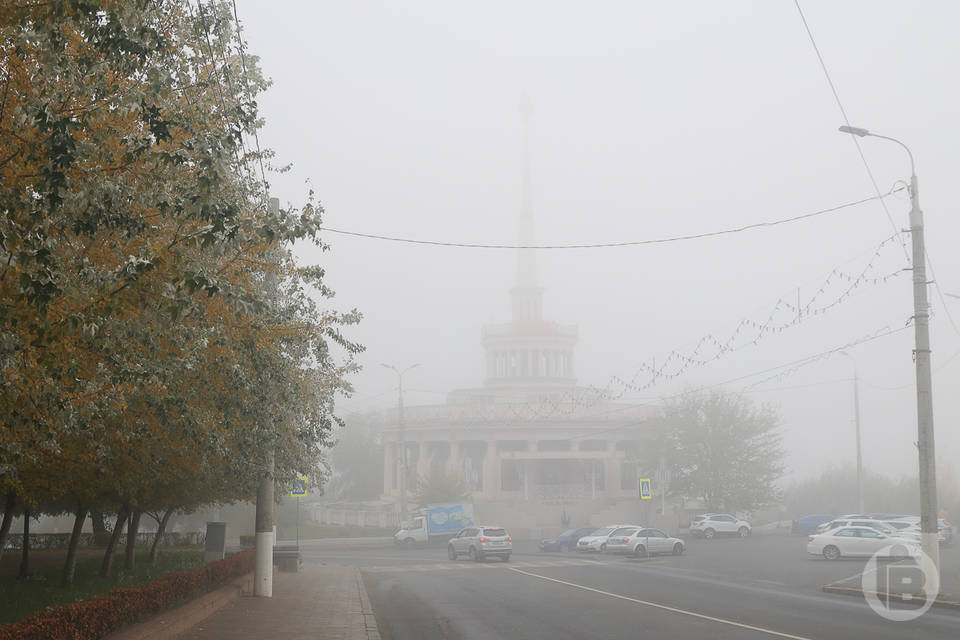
806, 524
566, 539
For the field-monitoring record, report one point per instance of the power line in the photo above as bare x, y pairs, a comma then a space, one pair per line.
843, 112
604, 245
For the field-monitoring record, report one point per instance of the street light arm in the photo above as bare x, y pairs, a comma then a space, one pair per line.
865, 133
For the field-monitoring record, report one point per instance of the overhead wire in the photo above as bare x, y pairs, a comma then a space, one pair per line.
605, 245
843, 112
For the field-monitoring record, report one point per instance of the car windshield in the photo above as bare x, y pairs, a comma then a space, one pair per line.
605, 531
495, 533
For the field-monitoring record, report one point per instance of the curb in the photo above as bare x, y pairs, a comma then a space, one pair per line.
853, 591
179, 619
369, 620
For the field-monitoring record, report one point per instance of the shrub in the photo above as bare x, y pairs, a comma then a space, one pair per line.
97, 617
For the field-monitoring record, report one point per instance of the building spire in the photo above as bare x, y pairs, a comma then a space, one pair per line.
526, 258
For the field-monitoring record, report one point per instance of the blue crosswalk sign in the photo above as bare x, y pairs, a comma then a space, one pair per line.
645, 492
299, 489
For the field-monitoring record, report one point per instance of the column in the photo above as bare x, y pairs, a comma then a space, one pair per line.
389, 468
491, 471
423, 458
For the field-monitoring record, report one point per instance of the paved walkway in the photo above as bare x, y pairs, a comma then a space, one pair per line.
320, 602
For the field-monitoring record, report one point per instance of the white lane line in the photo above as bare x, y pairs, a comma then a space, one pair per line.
664, 607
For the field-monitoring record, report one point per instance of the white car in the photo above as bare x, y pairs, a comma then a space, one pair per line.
597, 541
650, 542
708, 525
621, 540
912, 523
480, 542
879, 525
859, 542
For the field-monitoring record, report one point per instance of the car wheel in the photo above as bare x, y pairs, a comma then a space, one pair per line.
506, 558
709, 533
830, 552
473, 554
677, 549
409, 542
603, 547
744, 532
640, 551
451, 552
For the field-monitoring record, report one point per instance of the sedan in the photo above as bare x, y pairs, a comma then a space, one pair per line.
596, 541
566, 539
806, 524
650, 542
621, 540
859, 542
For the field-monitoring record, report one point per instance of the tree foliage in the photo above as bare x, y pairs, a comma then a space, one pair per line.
439, 485
156, 336
721, 449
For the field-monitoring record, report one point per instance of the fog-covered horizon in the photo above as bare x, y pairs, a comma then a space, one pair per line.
648, 121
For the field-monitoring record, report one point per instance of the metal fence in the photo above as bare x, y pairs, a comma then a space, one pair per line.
357, 517
89, 540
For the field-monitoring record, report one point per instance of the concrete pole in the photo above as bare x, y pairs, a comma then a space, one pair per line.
856, 419
925, 435
264, 538
403, 451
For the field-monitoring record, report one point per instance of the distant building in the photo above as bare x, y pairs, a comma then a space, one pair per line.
529, 437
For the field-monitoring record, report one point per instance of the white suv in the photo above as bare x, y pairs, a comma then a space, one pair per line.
708, 525
480, 542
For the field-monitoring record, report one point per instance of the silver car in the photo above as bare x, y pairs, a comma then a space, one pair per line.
650, 542
619, 540
480, 542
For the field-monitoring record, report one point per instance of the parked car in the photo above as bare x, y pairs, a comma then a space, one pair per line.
945, 530
859, 542
879, 525
566, 539
480, 542
650, 542
708, 525
805, 524
596, 541
619, 541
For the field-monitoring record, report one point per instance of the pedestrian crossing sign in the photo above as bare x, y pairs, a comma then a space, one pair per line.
645, 491
299, 489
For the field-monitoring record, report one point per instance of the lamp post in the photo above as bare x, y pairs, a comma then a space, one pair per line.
403, 443
856, 419
921, 355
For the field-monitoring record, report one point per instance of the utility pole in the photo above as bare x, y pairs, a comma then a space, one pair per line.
856, 420
401, 437
265, 519
926, 448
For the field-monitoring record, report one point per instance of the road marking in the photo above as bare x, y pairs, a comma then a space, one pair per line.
664, 607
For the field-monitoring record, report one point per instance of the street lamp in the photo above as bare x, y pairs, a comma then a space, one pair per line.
403, 443
921, 355
856, 418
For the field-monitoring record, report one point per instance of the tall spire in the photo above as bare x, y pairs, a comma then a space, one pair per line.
526, 258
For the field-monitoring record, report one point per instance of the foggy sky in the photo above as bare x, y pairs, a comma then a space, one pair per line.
649, 120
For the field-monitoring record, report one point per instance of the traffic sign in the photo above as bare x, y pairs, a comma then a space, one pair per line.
299, 489
645, 491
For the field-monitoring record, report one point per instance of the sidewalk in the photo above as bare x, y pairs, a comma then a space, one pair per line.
319, 602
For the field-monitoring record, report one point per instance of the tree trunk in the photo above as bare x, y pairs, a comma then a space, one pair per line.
7, 519
25, 554
101, 537
70, 566
160, 529
112, 544
132, 528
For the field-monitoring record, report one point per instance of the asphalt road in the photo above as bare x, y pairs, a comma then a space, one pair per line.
763, 587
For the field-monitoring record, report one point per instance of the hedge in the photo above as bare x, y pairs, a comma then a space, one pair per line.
88, 540
97, 617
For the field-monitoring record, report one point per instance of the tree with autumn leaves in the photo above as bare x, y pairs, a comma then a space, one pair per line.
155, 334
